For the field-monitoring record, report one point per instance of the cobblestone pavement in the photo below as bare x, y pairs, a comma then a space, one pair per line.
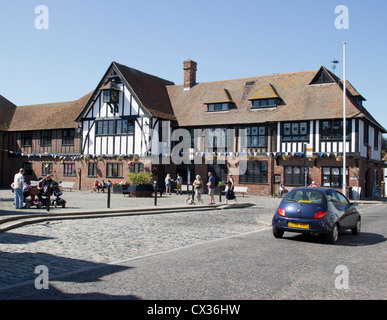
74, 245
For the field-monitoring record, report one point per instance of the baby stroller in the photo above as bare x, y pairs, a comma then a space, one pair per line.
58, 201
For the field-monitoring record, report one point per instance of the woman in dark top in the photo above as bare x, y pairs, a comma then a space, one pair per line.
230, 190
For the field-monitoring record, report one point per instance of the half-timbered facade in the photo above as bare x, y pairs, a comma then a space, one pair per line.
266, 130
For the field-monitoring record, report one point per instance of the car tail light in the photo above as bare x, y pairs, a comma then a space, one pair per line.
281, 212
320, 214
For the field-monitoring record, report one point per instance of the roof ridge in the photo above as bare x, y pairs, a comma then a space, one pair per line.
118, 65
255, 77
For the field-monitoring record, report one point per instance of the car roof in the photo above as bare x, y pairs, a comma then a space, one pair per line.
322, 189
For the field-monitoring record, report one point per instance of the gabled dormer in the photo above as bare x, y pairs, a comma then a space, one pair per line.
323, 76
267, 97
220, 101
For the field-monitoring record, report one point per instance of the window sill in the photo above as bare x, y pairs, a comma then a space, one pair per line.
220, 111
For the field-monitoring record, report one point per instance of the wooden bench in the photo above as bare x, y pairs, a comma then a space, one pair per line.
242, 190
67, 185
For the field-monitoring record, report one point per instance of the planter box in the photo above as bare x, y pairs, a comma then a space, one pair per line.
119, 189
140, 190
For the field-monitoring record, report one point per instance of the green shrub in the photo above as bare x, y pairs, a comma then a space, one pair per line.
140, 178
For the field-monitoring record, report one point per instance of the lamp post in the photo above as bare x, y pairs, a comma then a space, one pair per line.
344, 123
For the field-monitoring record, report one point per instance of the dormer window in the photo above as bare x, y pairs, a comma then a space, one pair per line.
220, 101
214, 107
266, 97
264, 103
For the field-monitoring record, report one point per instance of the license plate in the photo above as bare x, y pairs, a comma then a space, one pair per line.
298, 225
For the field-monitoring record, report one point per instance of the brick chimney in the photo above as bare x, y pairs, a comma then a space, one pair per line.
190, 68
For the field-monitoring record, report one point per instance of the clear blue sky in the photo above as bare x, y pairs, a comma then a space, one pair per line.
228, 40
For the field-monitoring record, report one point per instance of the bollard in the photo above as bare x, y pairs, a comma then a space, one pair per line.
220, 195
48, 200
108, 197
155, 186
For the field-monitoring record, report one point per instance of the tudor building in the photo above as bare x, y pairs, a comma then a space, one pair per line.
127, 124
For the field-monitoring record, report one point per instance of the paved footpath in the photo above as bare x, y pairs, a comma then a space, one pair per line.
73, 245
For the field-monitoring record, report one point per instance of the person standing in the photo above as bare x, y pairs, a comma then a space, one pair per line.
18, 182
230, 190
179, 183
198, 186
281, 190
168, 183
211, 187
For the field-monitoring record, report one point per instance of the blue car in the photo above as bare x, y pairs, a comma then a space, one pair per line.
316, 211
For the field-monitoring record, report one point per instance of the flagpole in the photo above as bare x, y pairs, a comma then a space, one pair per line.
344, 123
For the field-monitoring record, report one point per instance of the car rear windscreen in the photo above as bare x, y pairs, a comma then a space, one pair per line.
306, 196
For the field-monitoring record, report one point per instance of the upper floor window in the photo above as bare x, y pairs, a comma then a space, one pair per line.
26, 139
215, 138
106, 96
45, 138
264, 103
68, 137
295, 131
366, 134
333, 130
376, 139
115, 127
256, 137
212, 107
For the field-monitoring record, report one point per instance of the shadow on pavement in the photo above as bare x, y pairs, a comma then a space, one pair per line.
17, 276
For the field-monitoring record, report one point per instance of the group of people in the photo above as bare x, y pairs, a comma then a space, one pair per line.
100, 185
199, 188
21, 188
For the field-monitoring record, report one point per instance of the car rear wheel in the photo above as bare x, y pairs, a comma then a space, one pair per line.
332, 236
277, 233
356, 230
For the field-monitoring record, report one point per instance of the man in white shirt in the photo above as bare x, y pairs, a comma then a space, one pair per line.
18, 189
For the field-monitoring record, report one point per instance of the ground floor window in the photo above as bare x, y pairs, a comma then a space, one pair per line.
92, 169
138, 167
256, 173
47, 168
333, 176
27, 166
69, 169
294, 176
114, 170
